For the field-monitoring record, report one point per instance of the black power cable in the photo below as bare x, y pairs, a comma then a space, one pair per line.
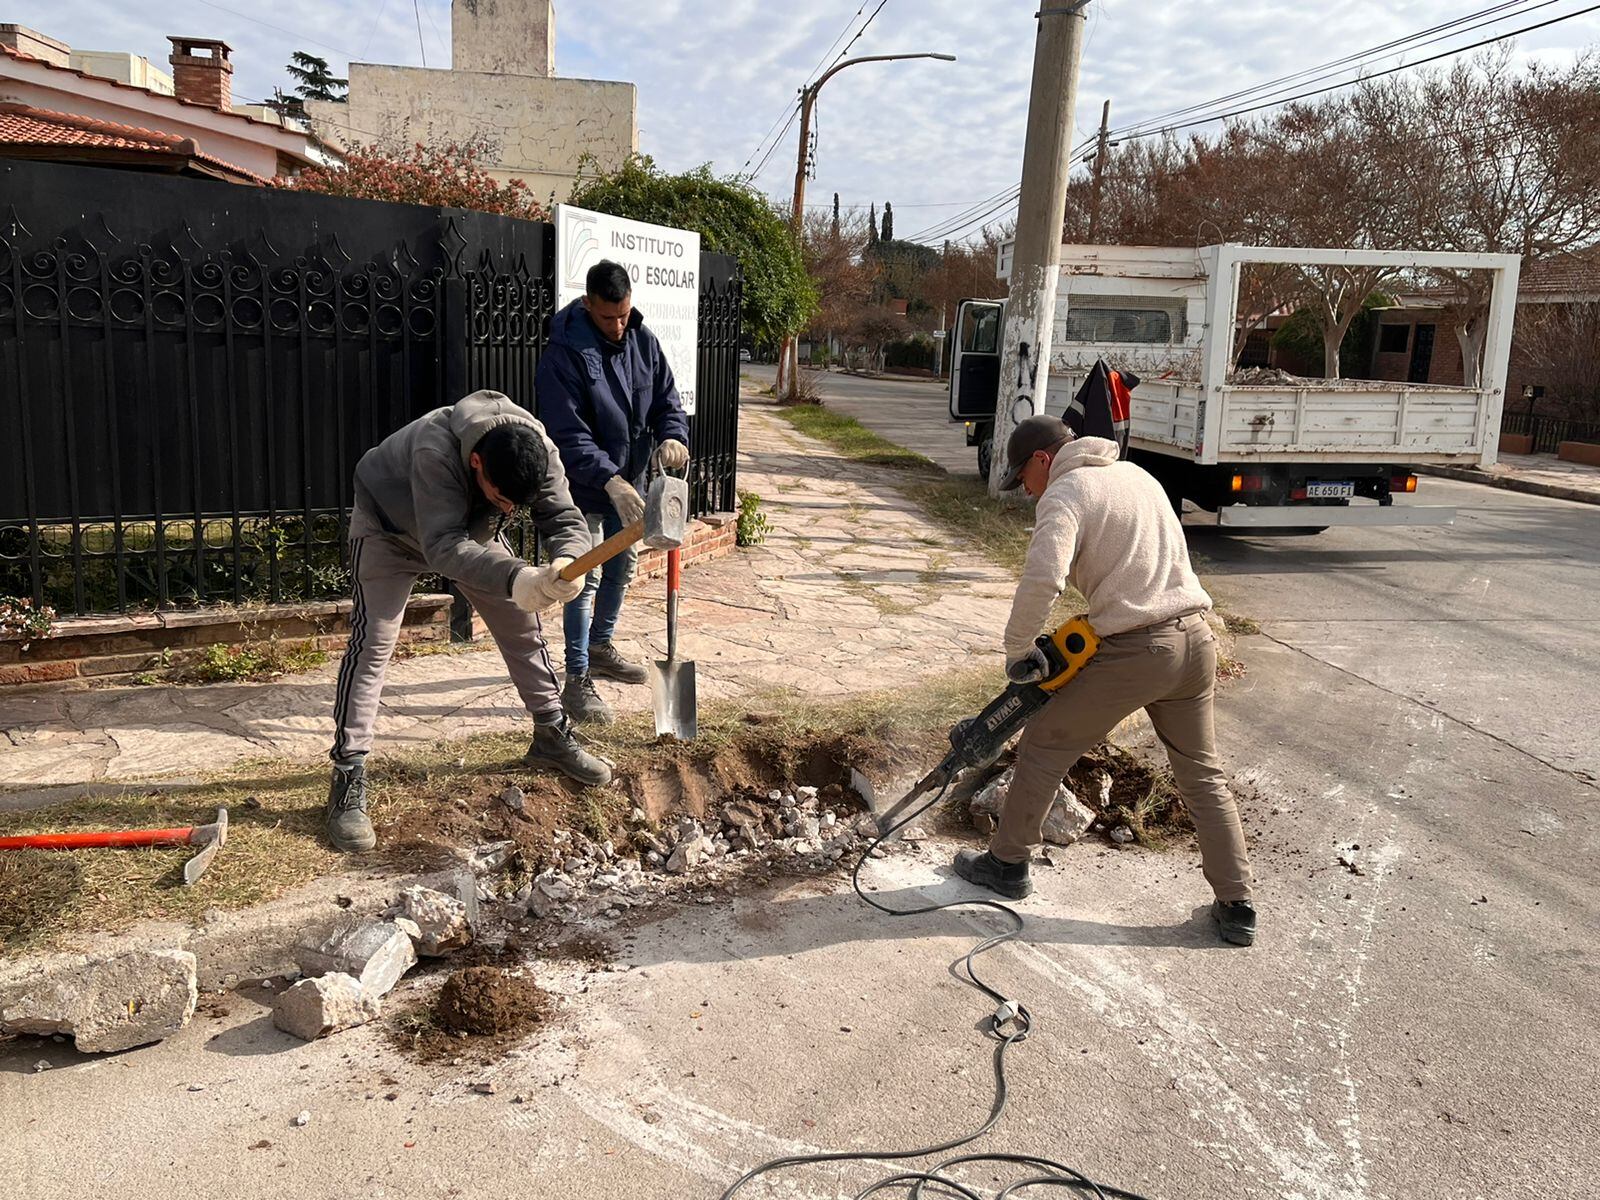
1010, 1024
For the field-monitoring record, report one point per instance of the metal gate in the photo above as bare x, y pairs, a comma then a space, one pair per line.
189, 373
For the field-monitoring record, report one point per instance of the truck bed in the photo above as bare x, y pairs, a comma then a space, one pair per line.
1312, 421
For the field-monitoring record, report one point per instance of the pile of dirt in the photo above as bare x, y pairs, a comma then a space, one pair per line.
490, 1002
1142, 795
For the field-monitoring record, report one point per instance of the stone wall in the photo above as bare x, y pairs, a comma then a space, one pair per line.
540, 127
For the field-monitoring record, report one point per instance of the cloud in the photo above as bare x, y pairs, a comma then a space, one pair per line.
713, 76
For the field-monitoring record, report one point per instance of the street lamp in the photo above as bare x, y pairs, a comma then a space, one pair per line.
789, 359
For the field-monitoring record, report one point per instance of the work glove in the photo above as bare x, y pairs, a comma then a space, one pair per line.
538, 588
674, 455
1030, 668
625, 499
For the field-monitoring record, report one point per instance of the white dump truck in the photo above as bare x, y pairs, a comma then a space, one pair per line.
1255, 453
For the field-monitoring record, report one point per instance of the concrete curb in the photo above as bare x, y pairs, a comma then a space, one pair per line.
1512, 483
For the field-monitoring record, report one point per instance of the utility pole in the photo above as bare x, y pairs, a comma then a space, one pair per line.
789, 355
1101, 145
1041, 208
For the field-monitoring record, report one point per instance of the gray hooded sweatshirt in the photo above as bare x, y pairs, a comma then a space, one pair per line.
417, 486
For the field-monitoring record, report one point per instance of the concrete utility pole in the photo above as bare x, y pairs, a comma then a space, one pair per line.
1101, 145
1041, 208
789, 355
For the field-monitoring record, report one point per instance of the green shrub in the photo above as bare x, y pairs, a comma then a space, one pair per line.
753, 525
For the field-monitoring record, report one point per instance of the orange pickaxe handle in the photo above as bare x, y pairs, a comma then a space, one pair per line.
87, 841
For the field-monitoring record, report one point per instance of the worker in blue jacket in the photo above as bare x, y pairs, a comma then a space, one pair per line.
608, 401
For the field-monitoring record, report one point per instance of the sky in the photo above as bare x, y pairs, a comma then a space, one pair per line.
715, 76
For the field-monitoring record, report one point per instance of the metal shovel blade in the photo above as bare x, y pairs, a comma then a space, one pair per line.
672, 691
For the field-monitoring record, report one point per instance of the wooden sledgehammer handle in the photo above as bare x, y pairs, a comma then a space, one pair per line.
605, 551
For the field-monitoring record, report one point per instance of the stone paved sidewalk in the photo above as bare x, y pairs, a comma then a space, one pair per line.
853, 587
1538, 474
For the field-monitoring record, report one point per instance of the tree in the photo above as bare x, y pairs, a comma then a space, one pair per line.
888, 222
872, 224
840, 271
315, 80
874, 328
1559, 348
448, 176
836, 214
731, 217
1494, 161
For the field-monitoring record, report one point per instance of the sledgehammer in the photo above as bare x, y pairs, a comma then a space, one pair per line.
666, 518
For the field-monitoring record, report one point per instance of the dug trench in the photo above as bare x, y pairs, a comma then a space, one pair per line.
561, 878
571, 875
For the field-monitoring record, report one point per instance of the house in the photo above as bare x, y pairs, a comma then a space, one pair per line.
106, 108
1416, 340
502, 89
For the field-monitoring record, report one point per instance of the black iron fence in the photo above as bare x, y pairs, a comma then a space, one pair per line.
189, 372
1549, 432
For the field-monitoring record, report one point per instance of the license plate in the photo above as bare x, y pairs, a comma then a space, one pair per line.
1329, 491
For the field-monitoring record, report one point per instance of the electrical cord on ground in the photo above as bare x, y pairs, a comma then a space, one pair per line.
1010, 1023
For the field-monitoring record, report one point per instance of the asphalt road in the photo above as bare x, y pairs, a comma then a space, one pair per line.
1418, 1020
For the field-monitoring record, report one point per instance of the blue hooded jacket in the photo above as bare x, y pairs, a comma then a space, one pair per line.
605, 405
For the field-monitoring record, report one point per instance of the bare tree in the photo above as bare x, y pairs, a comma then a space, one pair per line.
1559, 344
1489, 160
836, 261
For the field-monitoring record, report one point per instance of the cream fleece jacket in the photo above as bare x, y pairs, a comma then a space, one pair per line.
1107, 528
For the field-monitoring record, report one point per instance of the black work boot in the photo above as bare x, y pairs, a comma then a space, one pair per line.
606, 662
349, 828
1236, 920
555, 746
583, 704
985, 870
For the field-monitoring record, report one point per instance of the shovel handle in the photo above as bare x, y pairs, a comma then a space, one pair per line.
674, 581
605, 551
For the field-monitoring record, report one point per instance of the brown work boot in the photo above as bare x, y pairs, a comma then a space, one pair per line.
606, 662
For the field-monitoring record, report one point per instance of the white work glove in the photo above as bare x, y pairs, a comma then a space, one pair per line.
625, 499
674, 456
565, 591
538, 588
1030, 668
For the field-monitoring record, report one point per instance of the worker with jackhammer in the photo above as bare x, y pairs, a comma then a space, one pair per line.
433, 498
1107, 527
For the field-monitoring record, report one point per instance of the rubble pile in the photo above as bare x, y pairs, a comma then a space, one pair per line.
797, 827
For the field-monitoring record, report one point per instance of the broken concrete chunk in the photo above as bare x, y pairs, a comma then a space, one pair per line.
111, 1004
442, 921
1067, 821
314, 1008
1122, 835
555, 885
491, 856
377, 954
687, 855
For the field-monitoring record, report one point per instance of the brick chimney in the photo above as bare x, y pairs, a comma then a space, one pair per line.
201, 72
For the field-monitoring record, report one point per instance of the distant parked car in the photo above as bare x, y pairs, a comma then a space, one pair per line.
744, 355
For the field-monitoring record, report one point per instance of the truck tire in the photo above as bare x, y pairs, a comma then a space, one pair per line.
985, 458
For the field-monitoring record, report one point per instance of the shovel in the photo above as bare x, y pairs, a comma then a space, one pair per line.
672, 679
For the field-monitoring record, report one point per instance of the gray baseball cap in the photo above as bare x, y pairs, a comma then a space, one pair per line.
1029, 437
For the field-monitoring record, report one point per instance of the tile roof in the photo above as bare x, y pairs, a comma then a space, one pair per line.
25, 125
8, 52
1572, 272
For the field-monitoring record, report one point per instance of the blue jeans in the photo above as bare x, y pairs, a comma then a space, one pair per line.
592, 617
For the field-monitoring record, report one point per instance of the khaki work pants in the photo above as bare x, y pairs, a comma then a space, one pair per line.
1169, 670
